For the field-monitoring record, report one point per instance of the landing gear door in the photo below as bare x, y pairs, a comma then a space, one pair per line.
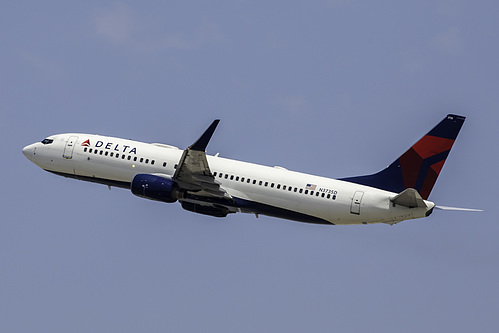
356, 202
70, 146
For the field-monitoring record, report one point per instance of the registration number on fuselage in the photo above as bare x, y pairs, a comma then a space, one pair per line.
328, 191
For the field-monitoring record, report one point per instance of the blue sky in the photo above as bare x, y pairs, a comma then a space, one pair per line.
334, 88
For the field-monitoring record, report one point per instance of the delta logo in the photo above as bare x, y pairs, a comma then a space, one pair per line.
111, 146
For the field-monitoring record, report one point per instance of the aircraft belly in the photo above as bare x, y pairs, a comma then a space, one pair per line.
314, 207
248, 206
299, 209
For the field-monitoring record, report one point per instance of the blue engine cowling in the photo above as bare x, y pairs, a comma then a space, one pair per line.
154, 187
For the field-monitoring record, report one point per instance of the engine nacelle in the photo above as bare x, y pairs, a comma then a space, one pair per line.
206, 210
154, 187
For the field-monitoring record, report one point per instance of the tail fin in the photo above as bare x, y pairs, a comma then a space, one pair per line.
419, 166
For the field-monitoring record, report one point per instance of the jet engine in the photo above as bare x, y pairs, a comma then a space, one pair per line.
155, 188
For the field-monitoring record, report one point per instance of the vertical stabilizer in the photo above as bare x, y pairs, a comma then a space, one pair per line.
419, 166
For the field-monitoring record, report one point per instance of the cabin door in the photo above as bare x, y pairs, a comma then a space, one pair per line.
70, 146
356, 202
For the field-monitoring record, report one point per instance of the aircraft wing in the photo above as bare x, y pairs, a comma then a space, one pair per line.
193, 172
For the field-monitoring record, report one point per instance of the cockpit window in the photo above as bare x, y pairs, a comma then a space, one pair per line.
47, 141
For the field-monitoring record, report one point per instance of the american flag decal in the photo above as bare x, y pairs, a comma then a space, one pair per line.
310, 187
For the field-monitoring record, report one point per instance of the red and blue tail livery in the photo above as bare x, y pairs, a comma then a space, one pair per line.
418, 167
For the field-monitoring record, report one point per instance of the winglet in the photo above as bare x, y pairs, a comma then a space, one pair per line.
202, 142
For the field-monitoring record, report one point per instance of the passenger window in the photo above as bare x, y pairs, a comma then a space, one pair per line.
123, 156
301, 190
290, 189
117, 155
328, 196
226, 176
278, 186
164, 164
147, 161
242, 179
85, 149
141, 159
232, 177
220, 175
101, 152
248, 180
283, 187
215, 174
317, 194
106, 153
237, 178
306, 191
90, 150
323, 194
254, 181
152, 162
272, 185
129, 157
296, 189
334, 196
311, 192
135, 159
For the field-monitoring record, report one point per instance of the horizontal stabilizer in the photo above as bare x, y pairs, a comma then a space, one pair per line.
459, 209
409, 198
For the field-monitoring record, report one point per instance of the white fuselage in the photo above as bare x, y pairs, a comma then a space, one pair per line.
115, 162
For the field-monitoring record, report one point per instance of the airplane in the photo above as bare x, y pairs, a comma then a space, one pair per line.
217, 186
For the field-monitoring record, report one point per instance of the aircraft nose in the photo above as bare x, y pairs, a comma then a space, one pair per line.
29, 151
